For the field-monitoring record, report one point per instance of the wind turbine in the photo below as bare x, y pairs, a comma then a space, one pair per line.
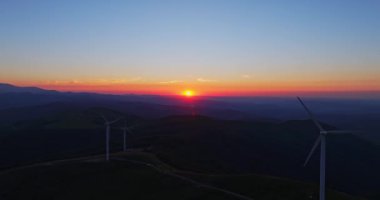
321, 140
125, 129
124, 138
108, 129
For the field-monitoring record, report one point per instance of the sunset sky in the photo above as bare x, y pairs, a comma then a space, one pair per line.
235, 47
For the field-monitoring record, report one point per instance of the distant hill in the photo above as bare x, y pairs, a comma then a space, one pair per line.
357, 114
16, 101
8, 88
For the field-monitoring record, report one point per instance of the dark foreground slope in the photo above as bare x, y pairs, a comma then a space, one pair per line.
128, 176
196, 143
213, 146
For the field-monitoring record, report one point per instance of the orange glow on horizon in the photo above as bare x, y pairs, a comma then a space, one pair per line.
227, 88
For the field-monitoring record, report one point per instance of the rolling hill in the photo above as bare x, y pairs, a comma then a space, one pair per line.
219, 139
136, 175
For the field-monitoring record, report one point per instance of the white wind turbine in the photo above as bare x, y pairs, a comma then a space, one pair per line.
124, 138
108, 129
125, 129
321, 140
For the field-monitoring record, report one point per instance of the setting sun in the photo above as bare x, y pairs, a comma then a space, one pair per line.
188, 93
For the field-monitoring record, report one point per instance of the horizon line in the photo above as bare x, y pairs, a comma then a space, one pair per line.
344, 94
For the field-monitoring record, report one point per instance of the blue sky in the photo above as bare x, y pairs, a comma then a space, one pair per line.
159, 41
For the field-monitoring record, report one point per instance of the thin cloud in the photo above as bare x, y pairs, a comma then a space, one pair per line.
64, 82
246, 76
135, 79
205, 80
171, 82
119, 81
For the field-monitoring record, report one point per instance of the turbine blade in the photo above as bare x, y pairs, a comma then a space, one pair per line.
317, 142
137, 125
104, 118
129, 130
116, 120
311, 115
342, 132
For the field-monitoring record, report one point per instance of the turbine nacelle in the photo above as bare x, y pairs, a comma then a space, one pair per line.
107, 122
323, 132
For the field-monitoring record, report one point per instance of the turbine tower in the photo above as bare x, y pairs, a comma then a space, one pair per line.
108, 129
124, 139
125, 129
321, 140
